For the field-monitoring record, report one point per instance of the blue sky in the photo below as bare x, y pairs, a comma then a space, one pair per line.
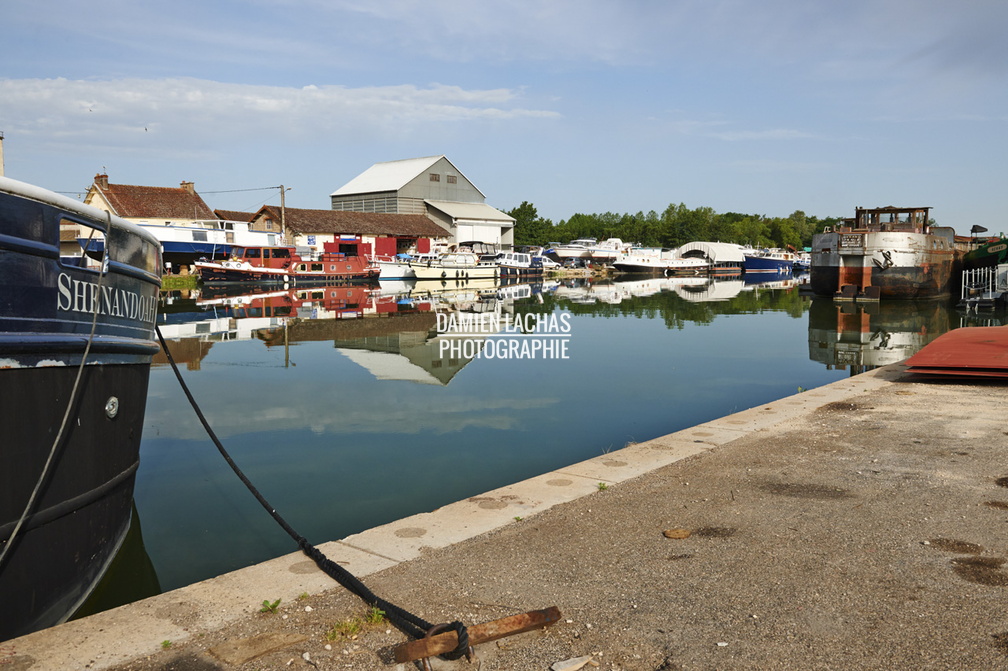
761, 107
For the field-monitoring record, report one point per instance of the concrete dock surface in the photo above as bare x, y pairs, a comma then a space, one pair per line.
860, 525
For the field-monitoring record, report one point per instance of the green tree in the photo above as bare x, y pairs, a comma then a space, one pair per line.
530, 228
783, 233
674, 227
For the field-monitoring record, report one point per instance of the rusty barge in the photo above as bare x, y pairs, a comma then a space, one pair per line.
883, 253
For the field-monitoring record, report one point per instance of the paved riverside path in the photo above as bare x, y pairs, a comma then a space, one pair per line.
860, 525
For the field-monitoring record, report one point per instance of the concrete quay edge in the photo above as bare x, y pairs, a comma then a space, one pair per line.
211, 605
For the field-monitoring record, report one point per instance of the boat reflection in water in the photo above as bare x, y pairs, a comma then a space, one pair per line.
700, 289
391, 330
867, 335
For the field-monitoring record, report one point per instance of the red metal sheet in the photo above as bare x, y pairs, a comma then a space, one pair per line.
961, 372
978, 350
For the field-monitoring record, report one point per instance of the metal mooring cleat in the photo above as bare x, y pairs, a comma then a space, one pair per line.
439, 643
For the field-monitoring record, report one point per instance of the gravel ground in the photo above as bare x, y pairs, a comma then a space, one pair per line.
871, 534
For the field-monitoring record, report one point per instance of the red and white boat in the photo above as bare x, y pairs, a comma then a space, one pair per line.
339, 262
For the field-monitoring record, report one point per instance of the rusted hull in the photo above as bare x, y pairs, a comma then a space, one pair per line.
905, 283
882, 265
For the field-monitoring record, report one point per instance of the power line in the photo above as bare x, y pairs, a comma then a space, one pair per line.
264, 188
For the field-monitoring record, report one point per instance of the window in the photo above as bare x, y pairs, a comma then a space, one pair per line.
452, 179
199, 236
434, 177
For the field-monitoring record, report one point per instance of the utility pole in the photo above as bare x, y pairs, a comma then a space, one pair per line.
283, 216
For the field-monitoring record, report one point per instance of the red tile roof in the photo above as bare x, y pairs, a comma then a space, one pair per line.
153, 202
307, 222
235, 215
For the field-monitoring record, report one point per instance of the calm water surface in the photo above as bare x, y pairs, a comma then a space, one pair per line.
345, 413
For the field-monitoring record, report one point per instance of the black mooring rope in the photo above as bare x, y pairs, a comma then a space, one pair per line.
406, 622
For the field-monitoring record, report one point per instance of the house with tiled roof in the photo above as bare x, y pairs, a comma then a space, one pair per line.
431, 186
148, 204
265, 225
234, 215
382, 234
178, 217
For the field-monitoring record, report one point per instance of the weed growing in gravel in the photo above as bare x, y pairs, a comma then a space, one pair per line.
352, 626
349, 628
268, 607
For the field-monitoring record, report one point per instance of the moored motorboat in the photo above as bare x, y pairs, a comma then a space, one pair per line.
660, 261
607, 251
769, 260
883, 253
184, 243
339, 262
455, 266
394, 267
76, 341
519, 264
990, 253
575, 249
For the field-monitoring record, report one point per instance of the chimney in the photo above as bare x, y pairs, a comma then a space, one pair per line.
101, 181
189, 187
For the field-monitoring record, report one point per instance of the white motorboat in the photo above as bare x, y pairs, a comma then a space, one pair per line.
608, 251
575, 249
660, 261
394, 267
455, 266
519, 263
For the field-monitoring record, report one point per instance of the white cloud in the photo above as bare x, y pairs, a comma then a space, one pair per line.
128, 108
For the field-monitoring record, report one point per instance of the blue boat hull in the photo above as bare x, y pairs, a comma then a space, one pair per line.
760, 264
71, 444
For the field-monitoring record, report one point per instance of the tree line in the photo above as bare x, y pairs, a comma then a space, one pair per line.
674, 227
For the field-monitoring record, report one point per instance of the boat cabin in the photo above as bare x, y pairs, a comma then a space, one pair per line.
906, 219
281, 256
266, 257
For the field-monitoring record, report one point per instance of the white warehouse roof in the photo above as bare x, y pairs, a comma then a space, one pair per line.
471, 211
389, 176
